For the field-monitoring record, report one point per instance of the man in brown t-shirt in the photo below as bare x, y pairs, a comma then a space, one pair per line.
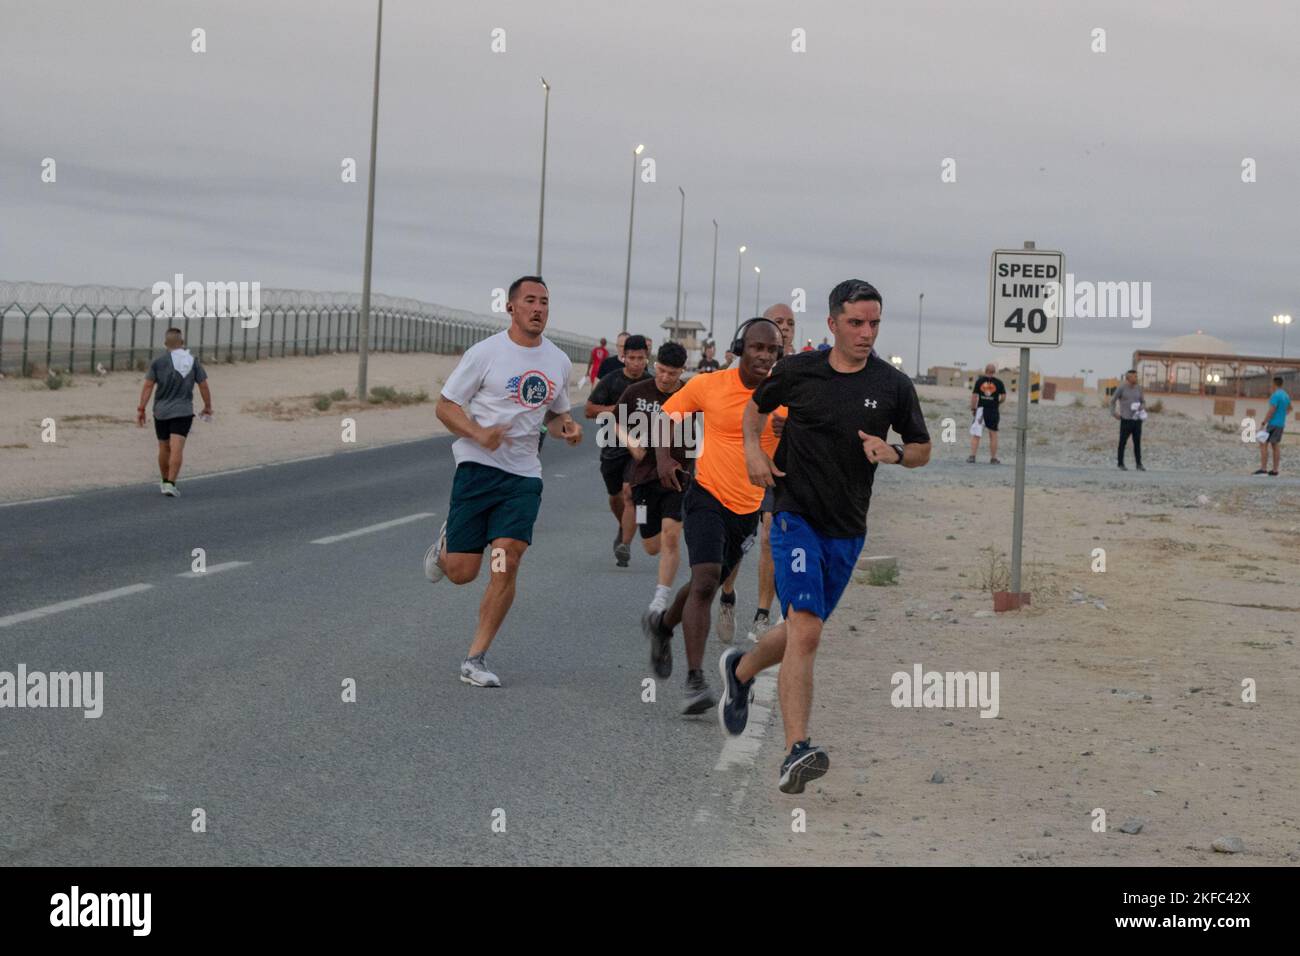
658, 509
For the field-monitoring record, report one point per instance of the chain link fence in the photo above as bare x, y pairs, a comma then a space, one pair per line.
45, 327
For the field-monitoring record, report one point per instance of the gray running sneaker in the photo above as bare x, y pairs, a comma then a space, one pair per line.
802, 765
622, 554
726, 626
661, 644
699, 696
170, 490
431, 569
474, 671
762, 624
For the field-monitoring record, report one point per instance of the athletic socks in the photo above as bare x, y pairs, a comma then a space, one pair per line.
660, 601
726, 598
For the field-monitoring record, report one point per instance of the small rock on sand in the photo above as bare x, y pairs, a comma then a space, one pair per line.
1229, 844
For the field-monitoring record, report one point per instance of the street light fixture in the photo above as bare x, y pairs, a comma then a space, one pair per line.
1284, 321
627, 278
758, 279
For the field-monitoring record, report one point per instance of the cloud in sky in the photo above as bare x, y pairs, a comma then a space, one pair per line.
826, 164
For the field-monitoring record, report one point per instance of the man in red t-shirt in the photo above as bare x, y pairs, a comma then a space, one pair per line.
598, 355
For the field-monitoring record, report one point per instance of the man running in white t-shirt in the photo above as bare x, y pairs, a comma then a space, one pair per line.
503, 390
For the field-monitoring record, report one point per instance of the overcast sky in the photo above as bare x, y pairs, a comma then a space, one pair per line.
826, 164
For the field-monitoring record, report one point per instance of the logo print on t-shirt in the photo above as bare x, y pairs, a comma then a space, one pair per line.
988, 389
532, 389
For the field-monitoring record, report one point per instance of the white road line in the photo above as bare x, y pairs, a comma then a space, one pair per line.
382, 526
391, 444
213, 569
35, 501
294, 461
74, 603
218, 474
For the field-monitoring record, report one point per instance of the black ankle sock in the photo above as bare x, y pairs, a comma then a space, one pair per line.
728, 598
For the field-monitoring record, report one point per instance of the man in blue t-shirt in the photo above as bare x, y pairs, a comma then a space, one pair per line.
1279, 403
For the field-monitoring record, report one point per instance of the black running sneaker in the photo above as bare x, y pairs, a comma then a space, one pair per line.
733, 709
804, 763
661, 643
699, 695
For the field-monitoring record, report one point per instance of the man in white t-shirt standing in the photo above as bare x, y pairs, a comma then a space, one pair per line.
504, 389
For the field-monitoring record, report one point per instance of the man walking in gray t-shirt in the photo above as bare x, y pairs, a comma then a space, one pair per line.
175, 374
1132, 409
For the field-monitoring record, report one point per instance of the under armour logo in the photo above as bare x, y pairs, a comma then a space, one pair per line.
869, 403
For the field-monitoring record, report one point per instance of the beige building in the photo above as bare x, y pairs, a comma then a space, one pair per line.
685, 332
1065, 383
949, 375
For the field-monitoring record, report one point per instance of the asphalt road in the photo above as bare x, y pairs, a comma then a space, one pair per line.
224, 691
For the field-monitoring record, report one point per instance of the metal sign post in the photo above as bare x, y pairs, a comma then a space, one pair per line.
1024, 311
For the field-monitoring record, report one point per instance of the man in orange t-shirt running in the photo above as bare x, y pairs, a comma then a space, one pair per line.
720, 507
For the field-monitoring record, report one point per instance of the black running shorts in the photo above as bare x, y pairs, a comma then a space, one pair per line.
614, 471
658, 503
164, 428
714, 533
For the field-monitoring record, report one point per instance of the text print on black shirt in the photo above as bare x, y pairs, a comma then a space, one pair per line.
827, 476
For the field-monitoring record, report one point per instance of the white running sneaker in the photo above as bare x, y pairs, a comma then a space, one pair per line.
431, 569
474, 671
169, 489
761, 625
726, 628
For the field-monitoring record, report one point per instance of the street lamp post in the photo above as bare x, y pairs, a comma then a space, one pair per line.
627, 278
919, 303
541, 213
363, 326
1284, 321
713, 284
681, 238
738, 256
758, 279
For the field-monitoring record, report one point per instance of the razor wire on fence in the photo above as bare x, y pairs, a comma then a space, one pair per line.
45, 327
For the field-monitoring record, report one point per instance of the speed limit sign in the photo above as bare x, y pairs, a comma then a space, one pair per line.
1025, 298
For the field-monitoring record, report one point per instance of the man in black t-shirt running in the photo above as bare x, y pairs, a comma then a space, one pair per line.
614, 458
986, 399
842, 403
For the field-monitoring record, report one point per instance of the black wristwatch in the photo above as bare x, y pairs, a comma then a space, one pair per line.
899, 449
